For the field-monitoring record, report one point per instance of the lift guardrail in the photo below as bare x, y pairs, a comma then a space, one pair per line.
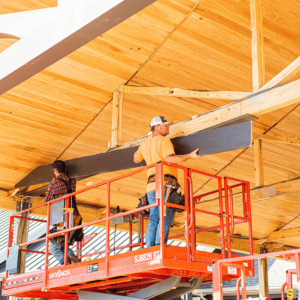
226, 218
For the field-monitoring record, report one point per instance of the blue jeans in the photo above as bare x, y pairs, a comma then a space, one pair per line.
58, 252
152, 235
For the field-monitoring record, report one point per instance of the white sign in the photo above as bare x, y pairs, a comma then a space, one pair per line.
232, 270
146, 257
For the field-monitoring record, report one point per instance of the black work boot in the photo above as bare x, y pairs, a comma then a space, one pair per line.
74, 258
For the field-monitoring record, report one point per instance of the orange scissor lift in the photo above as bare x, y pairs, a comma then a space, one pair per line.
159, 272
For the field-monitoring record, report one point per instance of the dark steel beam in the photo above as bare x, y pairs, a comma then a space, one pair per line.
220, 139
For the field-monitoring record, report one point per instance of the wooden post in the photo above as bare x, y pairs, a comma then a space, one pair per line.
263, 277
22, 238
21, 234
259, 181
258, 163
117, 119
258, 61
120, 116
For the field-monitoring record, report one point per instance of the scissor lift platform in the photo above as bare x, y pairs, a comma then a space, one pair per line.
160, 272
127, 273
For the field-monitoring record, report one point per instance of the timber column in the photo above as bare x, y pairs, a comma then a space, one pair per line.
21, 231
258, 80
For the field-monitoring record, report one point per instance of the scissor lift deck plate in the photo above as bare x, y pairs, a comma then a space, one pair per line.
128, 272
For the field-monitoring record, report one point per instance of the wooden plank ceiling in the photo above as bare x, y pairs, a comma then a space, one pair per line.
65, 110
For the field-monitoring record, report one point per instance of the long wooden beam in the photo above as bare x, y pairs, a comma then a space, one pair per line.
177, 92
285, 75
89, 214
279, 139
280, 234
255, 104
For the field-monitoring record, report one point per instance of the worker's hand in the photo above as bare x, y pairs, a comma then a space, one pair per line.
53, 179
194, 155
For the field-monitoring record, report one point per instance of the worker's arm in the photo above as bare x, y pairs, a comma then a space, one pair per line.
175, 159
49, 194
138, 157
136, 161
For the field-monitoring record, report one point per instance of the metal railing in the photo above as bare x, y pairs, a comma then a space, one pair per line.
240, 263
189, 210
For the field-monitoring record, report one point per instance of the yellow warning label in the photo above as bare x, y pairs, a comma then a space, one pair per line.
289, 293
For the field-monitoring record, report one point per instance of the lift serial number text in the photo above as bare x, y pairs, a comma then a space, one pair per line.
146, 257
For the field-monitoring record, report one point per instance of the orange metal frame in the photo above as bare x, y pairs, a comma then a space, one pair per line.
222, 266
289, 281
137, 269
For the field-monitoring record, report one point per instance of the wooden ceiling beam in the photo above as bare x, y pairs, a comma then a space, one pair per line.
279, 139
177, 92
278, 235
285, 75
256, 104
89, 214
258, 60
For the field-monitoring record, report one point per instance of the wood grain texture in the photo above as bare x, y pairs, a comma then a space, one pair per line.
66, 108
279, 235
258, 61
176, 92
280, 139
258, 163
285, 75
